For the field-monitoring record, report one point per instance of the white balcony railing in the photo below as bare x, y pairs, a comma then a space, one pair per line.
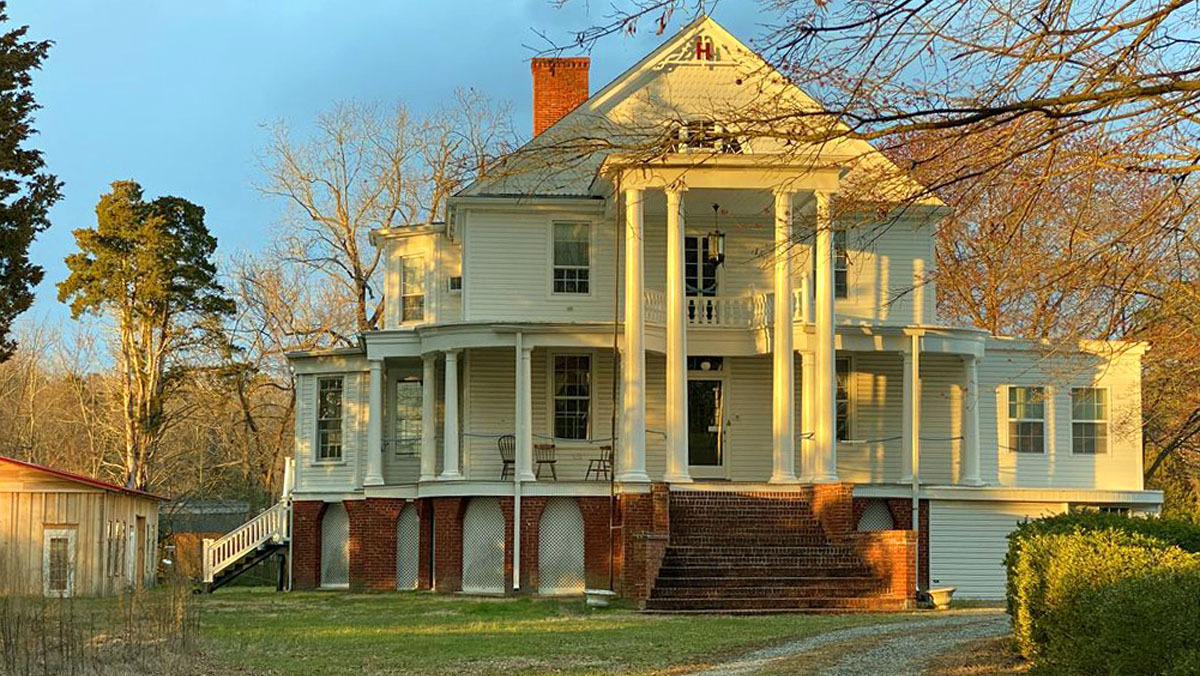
739, 312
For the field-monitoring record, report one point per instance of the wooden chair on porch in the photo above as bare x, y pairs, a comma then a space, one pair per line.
601, 466
507, 445
543, 454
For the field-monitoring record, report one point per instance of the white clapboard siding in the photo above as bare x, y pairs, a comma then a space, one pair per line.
339, 476
967, 543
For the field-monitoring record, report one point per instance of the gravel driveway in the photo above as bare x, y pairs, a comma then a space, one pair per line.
899, 649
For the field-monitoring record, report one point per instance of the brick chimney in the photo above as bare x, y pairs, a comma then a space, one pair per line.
559, 86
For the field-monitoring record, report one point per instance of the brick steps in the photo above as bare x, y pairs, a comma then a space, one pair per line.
745, 553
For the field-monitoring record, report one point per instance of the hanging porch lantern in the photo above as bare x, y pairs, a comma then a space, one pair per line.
716, 240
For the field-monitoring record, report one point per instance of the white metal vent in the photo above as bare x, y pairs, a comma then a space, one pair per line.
876, 516
483, 547
560, 548
335, 546
408, 548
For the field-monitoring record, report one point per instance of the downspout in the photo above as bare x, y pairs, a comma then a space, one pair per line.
519, 342
612, 469
915, 438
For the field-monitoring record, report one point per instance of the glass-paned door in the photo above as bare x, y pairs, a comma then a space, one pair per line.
406, 428
699, 277
706, 415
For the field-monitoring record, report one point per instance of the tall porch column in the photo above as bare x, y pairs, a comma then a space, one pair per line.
825, 392
428, 417
524, 412
970, 443
808, 387
631, 463
677, 421
374, 474
783, 400
450, 451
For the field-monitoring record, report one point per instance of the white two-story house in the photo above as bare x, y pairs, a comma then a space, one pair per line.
701, 377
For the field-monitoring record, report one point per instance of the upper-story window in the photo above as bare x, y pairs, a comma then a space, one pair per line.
329, 419
844, 375
699, 269
572, 258
409, 417
841, 265
1027, 419
1089, 420
572, 395
412, 288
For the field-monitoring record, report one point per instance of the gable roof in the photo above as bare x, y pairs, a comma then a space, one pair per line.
669, 83
80, 478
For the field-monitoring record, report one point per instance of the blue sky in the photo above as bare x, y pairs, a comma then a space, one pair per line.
174, 94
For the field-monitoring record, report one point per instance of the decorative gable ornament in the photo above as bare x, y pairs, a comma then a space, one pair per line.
701, 50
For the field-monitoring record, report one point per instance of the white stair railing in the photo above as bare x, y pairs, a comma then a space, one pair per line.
271, 525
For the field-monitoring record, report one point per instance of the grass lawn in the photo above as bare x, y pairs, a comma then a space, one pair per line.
315, 633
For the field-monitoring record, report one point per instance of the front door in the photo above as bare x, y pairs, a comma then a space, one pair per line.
706, 415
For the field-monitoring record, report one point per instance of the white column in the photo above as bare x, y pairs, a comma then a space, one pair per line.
450, 453
524, 412
783, 399
374, 475
970, 443
631, 463
912, 378
825, 399
809, 380
908, 379
677, 422
428, 418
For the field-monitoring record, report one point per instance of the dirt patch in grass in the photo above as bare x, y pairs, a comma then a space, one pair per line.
983, 657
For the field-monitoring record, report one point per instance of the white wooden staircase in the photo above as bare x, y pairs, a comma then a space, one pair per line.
266, 535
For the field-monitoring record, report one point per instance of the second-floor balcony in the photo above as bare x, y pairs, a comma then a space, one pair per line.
749, 311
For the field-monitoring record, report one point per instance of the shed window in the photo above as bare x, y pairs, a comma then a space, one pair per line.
572, 258
412, 288
329, 419
116, 548
1027, 419
1089, 420
572, 395
58, 562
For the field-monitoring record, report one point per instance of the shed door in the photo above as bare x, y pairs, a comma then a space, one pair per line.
58, 562
968, 541
335, 546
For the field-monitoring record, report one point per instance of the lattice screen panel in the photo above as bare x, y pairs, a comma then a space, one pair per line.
408, 548
483, 547
560, 548
876, 517
335, 546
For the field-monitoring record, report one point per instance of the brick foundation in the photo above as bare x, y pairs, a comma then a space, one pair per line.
373, 542
306, 543
447, 539
901, 509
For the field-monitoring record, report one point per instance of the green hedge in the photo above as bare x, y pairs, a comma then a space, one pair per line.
1103, 594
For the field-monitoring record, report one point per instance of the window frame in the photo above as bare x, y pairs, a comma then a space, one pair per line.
424, 295
841, 267
552, 417
1047, 402
554, 266
316, 450
848, 360
70, 534
1106, 421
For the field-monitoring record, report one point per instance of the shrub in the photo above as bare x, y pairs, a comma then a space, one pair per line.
1049, 570
1139, 626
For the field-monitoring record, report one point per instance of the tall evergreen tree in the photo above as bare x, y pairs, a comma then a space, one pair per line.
148, 265
26, 190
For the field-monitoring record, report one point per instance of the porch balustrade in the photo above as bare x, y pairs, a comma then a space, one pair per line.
754, 311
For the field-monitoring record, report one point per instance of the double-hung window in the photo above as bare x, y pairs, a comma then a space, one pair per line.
572, 258
1089, 420
1027, 419
329, 419
572, 395
841, 265
412, 288
844, 376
